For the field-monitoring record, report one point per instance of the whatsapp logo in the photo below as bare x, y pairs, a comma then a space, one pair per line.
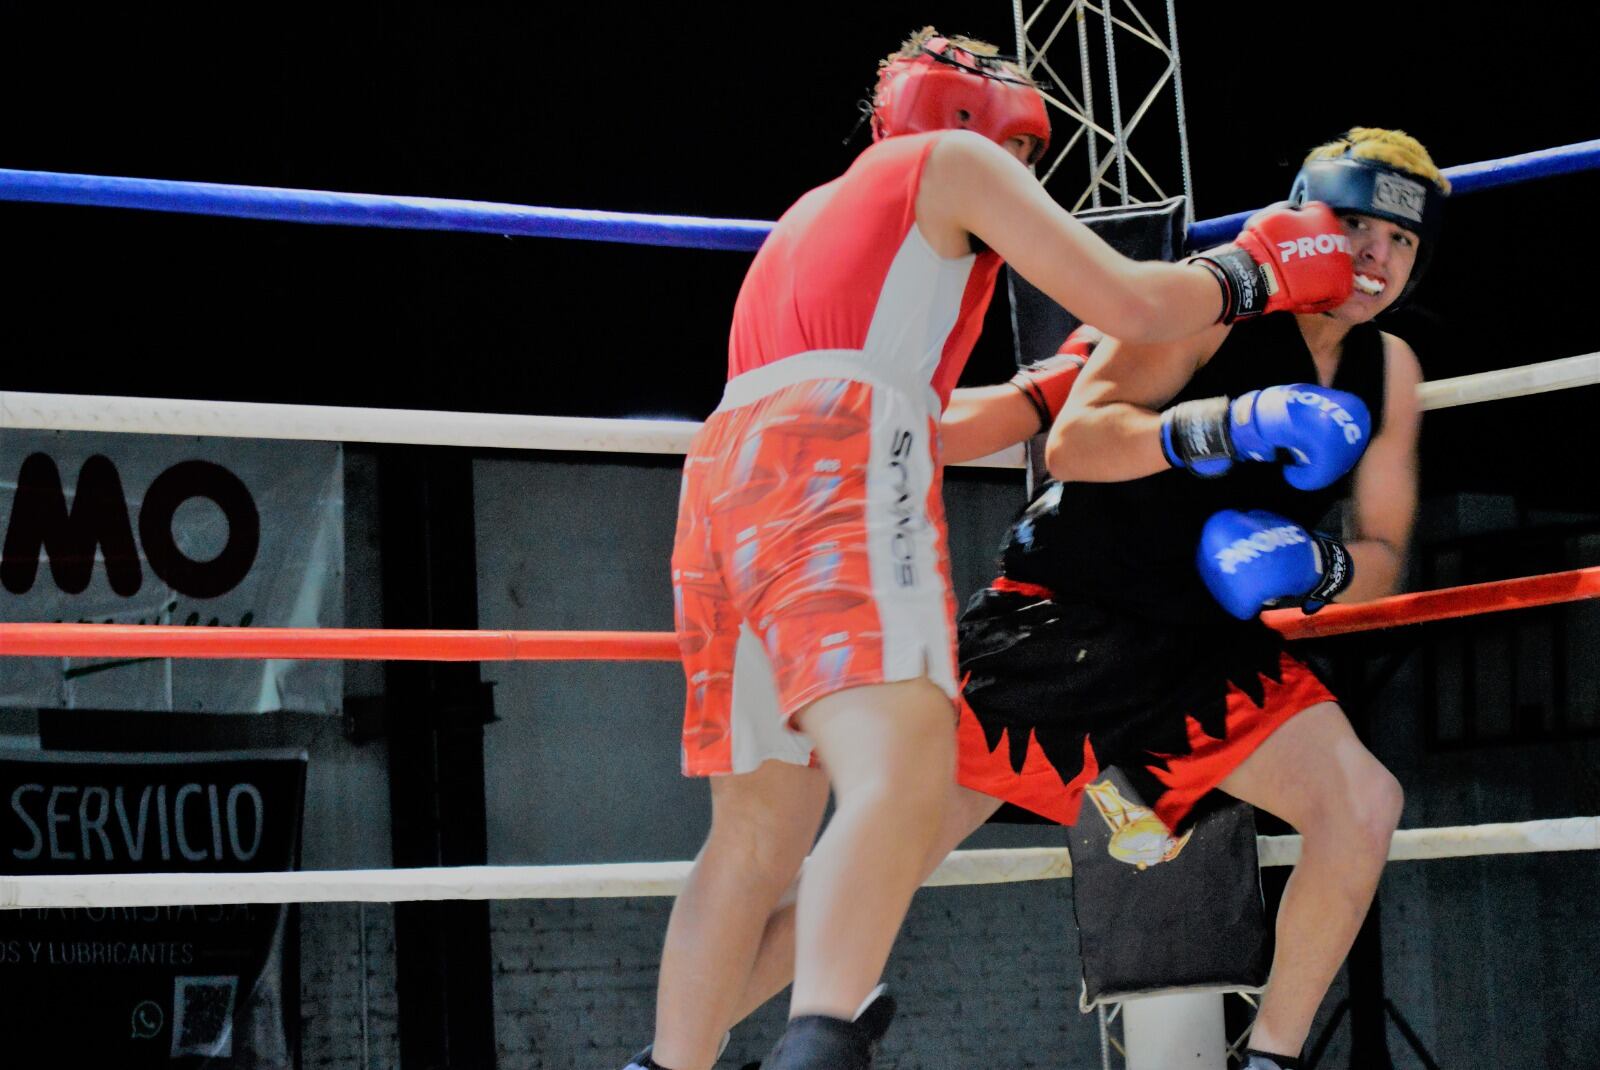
147, 1020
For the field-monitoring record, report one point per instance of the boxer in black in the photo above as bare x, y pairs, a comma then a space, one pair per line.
1124, 628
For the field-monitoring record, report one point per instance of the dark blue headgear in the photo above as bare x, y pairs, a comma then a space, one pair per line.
1347, 184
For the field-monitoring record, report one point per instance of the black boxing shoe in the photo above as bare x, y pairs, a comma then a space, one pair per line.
1260, 1060
875, 1014
643, 1061
818, 1042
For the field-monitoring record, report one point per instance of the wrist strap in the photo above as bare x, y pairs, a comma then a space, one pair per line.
1337, 572
1246, 285
1195, 432
1046, 384
1029, 386
1222, 284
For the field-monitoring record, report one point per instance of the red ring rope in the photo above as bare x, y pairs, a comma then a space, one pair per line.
348, 644
1449, 602
370, 644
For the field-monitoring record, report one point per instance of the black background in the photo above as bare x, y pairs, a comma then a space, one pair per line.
716, 110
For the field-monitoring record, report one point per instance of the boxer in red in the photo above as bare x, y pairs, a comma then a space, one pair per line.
813, 598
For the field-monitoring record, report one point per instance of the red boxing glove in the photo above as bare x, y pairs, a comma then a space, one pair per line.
1047, 383
1285, 260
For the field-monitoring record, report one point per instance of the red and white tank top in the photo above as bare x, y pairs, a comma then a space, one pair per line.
847, 272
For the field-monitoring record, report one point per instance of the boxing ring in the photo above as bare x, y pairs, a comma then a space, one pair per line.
72, 413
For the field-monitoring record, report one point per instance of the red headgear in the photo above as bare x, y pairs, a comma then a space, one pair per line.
947, 87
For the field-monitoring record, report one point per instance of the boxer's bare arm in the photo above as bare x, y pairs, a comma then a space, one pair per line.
970, 185
982, 420
1110, 427
1383, 501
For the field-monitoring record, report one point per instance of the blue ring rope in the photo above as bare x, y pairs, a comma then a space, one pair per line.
1465, 178
483, 217
378, 210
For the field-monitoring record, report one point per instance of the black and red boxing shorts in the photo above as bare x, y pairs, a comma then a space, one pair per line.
1054, 690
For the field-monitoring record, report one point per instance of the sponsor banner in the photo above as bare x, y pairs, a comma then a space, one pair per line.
151, 529
170, 987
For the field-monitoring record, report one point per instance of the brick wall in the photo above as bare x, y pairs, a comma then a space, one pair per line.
986, 977
333, 1009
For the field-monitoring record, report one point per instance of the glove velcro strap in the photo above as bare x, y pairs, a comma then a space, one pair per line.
1193, 432
1337, 572
1246, 285
1029, 386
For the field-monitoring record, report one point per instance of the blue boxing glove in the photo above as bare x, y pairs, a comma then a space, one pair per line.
1250, 559
1319, 433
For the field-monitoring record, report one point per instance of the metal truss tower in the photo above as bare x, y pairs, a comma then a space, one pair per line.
1092, 60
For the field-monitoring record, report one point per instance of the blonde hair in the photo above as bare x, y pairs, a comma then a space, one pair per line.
1395, 148
912, 47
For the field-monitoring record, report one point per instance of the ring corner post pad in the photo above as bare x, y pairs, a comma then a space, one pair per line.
1167, 923
1039, 325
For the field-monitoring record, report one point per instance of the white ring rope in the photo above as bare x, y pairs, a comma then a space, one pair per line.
238, 419
630, 879
328, 423
1561, 374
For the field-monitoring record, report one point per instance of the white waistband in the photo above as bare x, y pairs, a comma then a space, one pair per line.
849, 364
